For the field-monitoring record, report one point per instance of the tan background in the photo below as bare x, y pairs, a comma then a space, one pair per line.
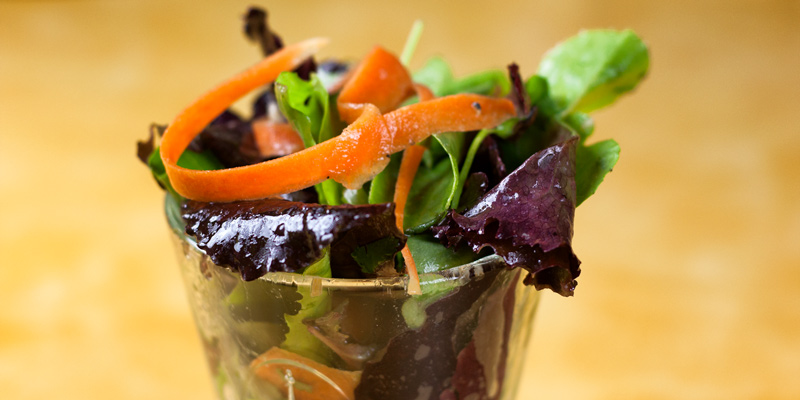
691, 283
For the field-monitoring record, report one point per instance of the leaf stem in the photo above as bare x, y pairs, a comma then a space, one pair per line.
411, 42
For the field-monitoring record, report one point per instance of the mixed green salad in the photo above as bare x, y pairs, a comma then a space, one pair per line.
509, 189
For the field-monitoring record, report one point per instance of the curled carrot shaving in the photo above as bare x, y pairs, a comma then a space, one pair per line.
191, 121
408, 168
353, 157
322, 381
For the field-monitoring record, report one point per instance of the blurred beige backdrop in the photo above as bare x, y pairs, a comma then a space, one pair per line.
690, 250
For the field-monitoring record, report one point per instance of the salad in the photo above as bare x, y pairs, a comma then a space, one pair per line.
370, 171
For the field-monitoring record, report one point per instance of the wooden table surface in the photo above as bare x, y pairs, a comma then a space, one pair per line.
691, 255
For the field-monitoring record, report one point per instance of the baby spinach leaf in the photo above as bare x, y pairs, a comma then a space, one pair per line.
593, 68
431, 256
381, 189
437, 75
372, 256
539, 95
453, 145
493, 82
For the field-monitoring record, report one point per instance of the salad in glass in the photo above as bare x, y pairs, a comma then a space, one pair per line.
371, 233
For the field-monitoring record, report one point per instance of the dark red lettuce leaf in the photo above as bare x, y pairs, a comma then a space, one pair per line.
256, 237
527, 219
518, 95
232, 142
489, 161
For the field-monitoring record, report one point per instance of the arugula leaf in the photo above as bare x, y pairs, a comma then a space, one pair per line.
593, 68
592, 163
305, 104
311, 113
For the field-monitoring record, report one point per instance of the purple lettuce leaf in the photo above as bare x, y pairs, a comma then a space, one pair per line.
256, 237
527, 219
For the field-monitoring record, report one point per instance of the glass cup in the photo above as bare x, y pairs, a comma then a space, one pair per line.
289, 336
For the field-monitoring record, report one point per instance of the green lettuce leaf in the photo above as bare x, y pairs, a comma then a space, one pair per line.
592, 163
428, 200
593, 68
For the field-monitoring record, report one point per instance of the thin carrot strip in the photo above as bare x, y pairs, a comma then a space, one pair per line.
408, 168
194, 118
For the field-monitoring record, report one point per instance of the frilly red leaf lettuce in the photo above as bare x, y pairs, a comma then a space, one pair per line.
527, 219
